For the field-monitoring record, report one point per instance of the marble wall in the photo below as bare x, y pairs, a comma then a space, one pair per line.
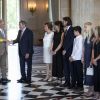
80, 11
55, 9
64, 8
97, 12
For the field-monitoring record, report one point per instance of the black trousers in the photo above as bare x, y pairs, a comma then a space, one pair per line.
57, 65
26, 72
97, 77
67, 69
77, 73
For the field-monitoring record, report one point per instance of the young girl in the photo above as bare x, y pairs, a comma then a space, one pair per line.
87, 52
96, 63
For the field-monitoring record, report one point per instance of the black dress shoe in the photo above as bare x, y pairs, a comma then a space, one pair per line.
5, 80
8, 80
0, 81
66, 84
28, 82
21, 81
80, 89
71, 87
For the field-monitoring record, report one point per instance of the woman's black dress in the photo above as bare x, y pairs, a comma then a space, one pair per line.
97, 68
57, 65
88, 45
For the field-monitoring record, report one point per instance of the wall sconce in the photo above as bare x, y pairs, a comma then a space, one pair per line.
47, 7
32, 6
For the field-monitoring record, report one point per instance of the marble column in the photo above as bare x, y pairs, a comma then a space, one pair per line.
82, 11
53, 10
0, 8
50, 11
64, 8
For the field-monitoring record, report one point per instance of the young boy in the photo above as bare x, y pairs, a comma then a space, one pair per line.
75, 59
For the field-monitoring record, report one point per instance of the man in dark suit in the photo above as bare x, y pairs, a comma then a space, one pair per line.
67, 49
25, 44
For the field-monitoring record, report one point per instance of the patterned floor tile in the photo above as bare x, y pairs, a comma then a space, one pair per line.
39, 89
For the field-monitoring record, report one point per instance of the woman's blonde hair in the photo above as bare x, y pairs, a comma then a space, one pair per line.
88, 34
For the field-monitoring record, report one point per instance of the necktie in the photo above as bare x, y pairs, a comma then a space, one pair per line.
21, 34
3, 34
65, 32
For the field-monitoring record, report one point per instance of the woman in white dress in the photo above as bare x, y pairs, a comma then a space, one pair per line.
47, 50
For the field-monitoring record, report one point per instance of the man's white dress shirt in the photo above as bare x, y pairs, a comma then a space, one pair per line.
77, 48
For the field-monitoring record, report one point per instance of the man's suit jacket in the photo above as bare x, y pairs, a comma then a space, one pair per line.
25, 42
2, 44
68, 41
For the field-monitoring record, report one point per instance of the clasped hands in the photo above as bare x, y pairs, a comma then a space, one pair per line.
11, 42
7, 41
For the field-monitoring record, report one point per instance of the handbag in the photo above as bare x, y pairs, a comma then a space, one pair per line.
90, 70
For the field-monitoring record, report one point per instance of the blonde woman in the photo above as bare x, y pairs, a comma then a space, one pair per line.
87, 53
47, 49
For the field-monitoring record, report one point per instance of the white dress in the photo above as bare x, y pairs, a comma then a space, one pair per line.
47, 41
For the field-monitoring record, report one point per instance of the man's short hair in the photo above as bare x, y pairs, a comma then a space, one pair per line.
78, 28
23, 22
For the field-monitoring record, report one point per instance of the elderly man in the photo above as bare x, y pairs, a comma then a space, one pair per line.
3, 53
